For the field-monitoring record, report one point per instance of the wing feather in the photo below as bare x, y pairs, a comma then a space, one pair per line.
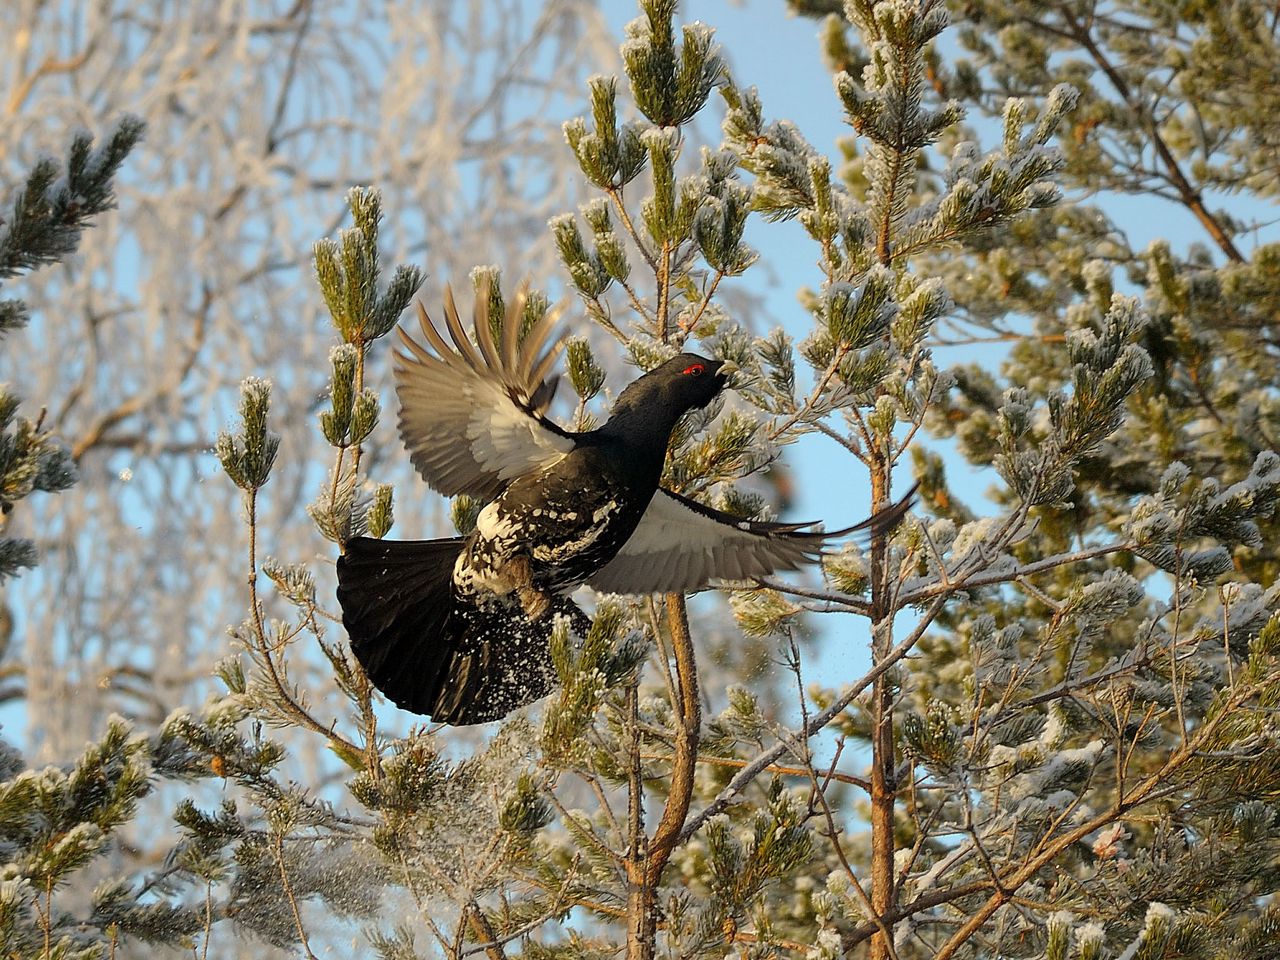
484, 334
733, 567
511, 341
461, 342
534, 341
471, 414
682, 545
543, 368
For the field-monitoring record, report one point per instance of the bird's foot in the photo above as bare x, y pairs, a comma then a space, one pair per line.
519, 573
536, 604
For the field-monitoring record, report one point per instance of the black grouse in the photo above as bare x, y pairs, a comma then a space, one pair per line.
458, 629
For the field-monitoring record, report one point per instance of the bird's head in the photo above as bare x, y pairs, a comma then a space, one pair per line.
669, 391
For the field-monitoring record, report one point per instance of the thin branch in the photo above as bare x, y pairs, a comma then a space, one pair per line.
615, 194
833, 834
481, 927
264, 648
819, 721
785, 771
559, 899
686, 328
1188, 194
47, 68
853, 604
288, 892
946, 587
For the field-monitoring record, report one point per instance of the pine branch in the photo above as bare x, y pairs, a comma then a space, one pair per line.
818, 722
55, 206
1187, 193
965, 573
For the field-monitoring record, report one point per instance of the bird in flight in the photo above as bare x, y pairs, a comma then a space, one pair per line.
458, 629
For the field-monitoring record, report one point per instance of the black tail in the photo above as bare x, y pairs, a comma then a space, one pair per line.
428, 651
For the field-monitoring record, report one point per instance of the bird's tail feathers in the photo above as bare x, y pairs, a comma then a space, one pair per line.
885, 520
429, 651
399, 610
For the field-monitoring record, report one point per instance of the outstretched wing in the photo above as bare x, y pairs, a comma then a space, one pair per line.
682, 545
471, 414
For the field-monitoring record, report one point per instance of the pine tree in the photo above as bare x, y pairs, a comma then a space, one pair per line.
47, 216
55, 821
59, 824
1171, 106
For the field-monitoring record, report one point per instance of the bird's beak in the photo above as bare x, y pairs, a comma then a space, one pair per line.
727, 369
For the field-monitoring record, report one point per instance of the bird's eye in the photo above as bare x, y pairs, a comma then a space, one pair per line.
696, 370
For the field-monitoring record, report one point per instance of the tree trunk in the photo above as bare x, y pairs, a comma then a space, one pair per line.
641, 912
883, 785
640, 901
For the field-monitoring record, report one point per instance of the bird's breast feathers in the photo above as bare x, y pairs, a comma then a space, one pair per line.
568, 525
578, 532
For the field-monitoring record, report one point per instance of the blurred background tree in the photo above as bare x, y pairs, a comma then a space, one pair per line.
260, 116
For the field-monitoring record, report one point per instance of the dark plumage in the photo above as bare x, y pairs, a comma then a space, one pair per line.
458, 628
